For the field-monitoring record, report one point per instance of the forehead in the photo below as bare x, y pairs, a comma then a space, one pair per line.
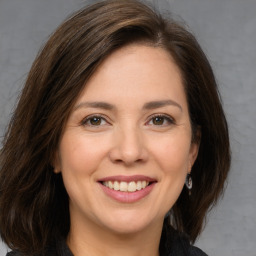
136, 71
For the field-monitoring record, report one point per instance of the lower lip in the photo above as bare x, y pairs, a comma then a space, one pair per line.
127, 197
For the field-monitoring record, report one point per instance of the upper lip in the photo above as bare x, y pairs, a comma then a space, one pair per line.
128, 178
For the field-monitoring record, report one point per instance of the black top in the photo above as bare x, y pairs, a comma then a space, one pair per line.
172, 244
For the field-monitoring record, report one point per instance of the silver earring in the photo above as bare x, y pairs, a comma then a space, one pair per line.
189, 183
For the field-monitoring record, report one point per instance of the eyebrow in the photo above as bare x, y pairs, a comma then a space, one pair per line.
96, 104
161, 103
146, 106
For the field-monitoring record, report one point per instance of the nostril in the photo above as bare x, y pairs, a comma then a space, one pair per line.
128, 150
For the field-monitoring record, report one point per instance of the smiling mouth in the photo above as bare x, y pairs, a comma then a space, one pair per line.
124, 186
127, 189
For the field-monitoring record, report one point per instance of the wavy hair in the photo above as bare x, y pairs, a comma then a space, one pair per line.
34, 206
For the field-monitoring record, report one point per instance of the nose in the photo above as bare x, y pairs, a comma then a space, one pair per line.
128, 147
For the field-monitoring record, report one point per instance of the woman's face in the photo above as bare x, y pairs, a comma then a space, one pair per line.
126, 148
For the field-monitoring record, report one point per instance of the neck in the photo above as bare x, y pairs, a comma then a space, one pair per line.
96, 241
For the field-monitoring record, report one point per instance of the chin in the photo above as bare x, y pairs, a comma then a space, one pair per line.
126, 224
127, 229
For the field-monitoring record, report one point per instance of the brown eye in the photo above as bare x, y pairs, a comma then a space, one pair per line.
161, 120
158, 120
95, 120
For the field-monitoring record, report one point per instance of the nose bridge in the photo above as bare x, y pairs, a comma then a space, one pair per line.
129, 146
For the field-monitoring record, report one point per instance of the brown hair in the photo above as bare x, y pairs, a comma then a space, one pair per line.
33, 201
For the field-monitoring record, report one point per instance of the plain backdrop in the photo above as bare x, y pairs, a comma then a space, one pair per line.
226, 29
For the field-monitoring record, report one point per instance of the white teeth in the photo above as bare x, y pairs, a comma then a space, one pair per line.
126, 186
139, 187
110, 184
123, 186
116, 185
132, 186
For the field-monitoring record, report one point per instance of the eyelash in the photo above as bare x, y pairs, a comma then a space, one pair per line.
166, 118
87, 119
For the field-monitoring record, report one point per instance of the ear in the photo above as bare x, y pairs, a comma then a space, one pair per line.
194, 149
193, 154
56, 163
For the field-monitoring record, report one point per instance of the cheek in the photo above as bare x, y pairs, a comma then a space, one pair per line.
172, 153
80, 155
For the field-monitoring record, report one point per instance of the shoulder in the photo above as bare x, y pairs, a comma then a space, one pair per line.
182, 246
57, 247
190, 250
174, 243
13, 253
194, 251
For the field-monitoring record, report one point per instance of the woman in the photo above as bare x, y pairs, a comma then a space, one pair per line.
119, 143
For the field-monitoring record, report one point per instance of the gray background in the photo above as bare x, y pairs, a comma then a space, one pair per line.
226, 29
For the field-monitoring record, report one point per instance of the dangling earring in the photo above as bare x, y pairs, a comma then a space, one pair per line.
189, 183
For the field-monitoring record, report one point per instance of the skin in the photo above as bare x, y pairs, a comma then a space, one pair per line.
132, 137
